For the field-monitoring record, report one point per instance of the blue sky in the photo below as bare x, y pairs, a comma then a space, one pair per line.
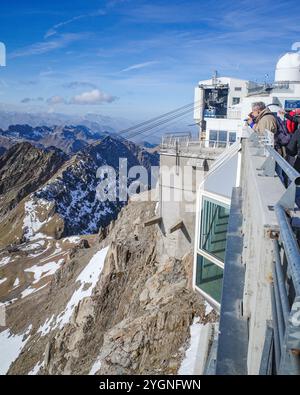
134, 58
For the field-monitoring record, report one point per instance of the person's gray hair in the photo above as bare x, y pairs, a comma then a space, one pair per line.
258, 105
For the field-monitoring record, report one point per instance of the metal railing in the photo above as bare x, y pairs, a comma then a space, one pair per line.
184, 141
285, 299
291, 173
274, 165
266, 87
234, 113
170, 140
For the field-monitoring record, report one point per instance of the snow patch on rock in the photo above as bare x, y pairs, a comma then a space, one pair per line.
96, 366
11, 347
32, 224
208, 308
34, 371
189, 361
47, 269
89, 276
71, 239
28, 291
86, 281
16, 283
4, 261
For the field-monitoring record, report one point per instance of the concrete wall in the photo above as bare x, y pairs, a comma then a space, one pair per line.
259, 194
177, 196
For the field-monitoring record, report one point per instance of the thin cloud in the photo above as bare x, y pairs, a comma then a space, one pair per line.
28, 83
113, 3
56, 100
79, 84
54, 29
30, 100
139, 66
48, 46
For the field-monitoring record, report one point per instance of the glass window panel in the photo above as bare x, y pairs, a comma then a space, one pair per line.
232, 137
236, 100
213, 135
213, 228
223, 135
209, 278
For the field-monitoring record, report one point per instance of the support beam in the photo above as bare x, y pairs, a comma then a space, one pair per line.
178, 225
153, 221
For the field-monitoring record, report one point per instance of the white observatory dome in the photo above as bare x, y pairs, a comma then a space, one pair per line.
288, 67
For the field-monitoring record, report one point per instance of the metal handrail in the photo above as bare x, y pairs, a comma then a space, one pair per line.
291, 247
201, 143
285, 298
279, 277
285, 344
292, 174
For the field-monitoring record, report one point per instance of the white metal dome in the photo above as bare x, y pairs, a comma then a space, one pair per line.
288, 67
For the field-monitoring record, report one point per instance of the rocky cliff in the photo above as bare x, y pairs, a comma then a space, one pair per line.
84, 286
117, 307
23, 168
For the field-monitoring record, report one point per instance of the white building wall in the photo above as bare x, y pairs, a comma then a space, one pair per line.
233, 85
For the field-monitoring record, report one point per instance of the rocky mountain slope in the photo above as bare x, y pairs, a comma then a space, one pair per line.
23, 168
67, 203
116, 307
85, 287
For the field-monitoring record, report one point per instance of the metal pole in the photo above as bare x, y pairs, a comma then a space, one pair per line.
275, 328
281, 283
291, 247
280, 317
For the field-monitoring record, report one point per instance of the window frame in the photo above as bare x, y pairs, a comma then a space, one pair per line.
234, 98
205, 294
229, 133
222, 201
218, 136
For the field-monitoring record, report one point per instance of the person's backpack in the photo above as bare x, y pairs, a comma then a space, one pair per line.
291, 125
282, 137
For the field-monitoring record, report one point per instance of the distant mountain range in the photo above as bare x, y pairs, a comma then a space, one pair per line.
95, 122
69, 139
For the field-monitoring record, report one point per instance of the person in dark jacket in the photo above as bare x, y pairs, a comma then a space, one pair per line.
293, 148
293, 117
